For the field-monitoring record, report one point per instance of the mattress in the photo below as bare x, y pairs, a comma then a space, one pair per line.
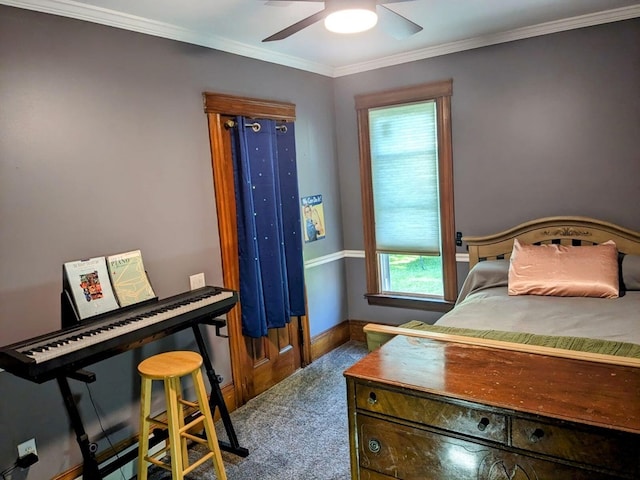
484, 304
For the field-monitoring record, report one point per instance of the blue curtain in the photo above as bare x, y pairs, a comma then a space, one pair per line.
269, 233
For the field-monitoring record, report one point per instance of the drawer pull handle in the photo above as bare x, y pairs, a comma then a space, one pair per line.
536, 435
374, 446
484, 423
372, 398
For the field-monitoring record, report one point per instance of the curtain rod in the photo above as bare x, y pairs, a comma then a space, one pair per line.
253, 126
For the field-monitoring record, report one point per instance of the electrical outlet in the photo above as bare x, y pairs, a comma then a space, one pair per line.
196, 281
27, 447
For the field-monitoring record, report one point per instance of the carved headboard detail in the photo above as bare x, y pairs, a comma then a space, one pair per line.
562, 230
567, 232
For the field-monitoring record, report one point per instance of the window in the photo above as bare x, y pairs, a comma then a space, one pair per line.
407, 196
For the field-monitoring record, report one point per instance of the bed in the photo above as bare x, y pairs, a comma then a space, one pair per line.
490, 310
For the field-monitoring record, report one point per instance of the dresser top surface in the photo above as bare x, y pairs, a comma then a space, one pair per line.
580, 391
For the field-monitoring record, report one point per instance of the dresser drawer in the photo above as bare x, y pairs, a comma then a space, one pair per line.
403, 452
599, 447
471, 421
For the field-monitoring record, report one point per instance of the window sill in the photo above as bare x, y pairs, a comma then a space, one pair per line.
415, 303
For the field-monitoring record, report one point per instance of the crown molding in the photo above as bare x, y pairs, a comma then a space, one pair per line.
89, 13
616, 15
112, 18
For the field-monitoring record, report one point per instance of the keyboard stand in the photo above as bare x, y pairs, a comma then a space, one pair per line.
91, 469
216, 399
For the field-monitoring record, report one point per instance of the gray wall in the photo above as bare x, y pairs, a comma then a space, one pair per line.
104, 148
541, 127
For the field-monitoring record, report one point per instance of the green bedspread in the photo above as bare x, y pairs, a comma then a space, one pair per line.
604, 347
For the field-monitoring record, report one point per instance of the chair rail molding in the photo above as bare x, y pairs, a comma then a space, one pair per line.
332, 257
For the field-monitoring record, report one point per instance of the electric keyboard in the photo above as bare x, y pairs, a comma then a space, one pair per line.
64, 351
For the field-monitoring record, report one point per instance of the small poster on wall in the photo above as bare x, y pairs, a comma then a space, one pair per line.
313, 218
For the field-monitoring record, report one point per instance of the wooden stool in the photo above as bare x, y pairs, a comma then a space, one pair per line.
170, 367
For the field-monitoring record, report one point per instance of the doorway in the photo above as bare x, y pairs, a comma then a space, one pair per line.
256, 363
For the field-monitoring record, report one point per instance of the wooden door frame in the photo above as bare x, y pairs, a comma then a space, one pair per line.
216, 106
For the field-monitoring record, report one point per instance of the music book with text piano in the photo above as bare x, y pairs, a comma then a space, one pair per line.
90, 287
129, 278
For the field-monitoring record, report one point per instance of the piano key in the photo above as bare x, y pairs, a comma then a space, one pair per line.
47, 356
92, 337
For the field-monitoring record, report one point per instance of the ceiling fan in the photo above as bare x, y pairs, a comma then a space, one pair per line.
374, 10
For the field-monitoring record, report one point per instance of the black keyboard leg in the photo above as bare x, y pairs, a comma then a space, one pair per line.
217, 400
90, 470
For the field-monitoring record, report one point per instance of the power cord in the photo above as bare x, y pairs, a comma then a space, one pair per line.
95, 409
31, 458
22, 463
8, 471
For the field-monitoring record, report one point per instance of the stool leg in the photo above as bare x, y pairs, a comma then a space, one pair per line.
183, 439
212, 438
171, 388
143, 439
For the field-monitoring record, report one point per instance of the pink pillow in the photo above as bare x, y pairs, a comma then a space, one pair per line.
564, 271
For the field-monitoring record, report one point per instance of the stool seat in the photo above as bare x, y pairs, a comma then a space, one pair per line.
170, 364
170, 368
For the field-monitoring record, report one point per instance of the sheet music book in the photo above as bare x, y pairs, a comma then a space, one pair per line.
90, 286
129, 278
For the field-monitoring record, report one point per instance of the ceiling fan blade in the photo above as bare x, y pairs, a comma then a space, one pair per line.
296, 27
396, 25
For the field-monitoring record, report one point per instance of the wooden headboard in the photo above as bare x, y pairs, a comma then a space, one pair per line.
562, 230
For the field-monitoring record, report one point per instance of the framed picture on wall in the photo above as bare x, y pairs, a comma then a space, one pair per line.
313, 218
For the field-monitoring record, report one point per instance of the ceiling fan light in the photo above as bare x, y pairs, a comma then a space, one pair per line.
353, 20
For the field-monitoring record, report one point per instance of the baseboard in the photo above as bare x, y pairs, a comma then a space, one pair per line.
356, 330
329, 339
229, 396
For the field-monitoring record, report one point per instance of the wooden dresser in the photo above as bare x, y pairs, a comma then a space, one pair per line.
434, 410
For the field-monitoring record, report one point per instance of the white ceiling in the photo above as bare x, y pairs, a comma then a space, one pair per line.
238, 26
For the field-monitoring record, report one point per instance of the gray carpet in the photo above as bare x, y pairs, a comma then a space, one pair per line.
297, 430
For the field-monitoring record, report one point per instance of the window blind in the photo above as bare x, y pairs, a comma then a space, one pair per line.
404, 166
